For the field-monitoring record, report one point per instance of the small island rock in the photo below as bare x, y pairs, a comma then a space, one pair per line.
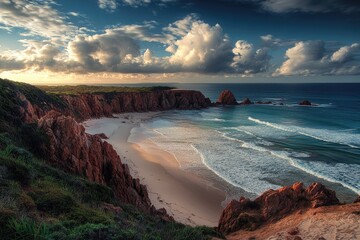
226, 98
305, 103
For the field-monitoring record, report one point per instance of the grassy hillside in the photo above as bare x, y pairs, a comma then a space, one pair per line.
72, 90
40, 202
26, 135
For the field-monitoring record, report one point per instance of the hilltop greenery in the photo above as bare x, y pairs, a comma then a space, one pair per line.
73, 90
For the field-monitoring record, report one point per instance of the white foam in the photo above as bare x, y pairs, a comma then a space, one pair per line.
319, 169
349, 139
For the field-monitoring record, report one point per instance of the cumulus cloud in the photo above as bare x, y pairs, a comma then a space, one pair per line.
103, 52
312, 58
36, 17
203, 48
194, 46
248, 60
108, 5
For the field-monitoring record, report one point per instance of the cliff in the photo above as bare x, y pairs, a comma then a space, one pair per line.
67, 146
85, 106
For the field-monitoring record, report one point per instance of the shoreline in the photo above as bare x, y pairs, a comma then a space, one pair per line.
189, 198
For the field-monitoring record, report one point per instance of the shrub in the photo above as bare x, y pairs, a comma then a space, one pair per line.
27, 229
53, 199
83, 214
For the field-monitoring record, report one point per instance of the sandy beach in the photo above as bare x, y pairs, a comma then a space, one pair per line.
190, 199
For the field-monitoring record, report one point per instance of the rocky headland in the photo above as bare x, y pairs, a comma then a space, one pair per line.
67, 146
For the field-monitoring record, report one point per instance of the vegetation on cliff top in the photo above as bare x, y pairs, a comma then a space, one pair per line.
10, 118
81, 89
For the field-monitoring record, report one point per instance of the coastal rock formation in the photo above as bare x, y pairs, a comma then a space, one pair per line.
85, 106
226, 97
73, 150
305, 103
246, 101
357, 200
273, 205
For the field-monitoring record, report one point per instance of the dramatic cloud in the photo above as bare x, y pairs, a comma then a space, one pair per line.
36, 17
202, 48
312, 58
247, 60
103, 52
194, 46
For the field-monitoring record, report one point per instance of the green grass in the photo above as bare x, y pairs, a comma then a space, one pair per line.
81, 89
38, 201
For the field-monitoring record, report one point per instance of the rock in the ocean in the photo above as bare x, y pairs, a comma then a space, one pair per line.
357, 200
246, 101
226, 97
273, 205
261, 102
305, 103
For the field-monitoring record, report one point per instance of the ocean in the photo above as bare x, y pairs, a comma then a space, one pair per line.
257, 147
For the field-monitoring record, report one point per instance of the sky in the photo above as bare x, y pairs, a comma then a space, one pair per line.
134, 41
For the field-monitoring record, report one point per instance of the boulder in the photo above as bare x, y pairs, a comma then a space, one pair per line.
246, 101
305, 103
226, 97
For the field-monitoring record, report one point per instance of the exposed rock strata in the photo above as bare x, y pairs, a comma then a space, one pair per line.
273, 205
85, 106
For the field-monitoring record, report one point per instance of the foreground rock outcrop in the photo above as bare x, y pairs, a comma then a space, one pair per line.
326, 222
273, 205
72, 149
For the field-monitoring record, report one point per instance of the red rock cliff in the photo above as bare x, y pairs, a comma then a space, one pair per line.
88, 155
273, 205
85, 106
72, 149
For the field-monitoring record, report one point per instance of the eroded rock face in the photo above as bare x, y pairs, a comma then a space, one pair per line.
72, 149
273, 205
85, 106
226, 97
357, 199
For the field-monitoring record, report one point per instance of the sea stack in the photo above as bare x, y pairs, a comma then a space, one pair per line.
226, 97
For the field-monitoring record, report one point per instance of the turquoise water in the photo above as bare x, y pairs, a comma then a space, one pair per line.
258, 147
